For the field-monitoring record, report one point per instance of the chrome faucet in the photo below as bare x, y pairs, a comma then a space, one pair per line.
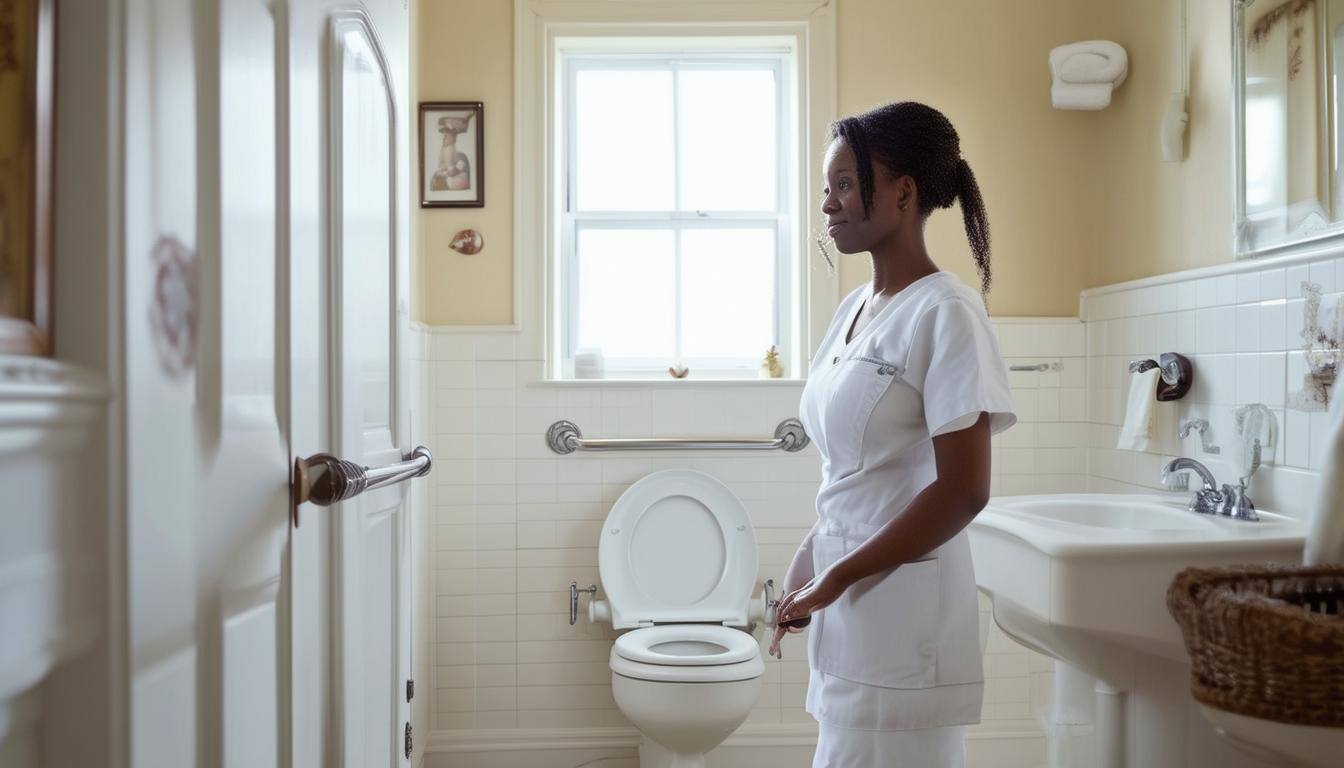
1207, 500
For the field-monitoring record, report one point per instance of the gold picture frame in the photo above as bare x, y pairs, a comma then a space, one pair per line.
27, 134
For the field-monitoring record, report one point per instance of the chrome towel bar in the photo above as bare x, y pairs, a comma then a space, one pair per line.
564, 437
1055, 366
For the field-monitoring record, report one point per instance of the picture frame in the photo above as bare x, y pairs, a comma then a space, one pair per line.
452, 154
27, 89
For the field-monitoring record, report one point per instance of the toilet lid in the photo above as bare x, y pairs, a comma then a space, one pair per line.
677, 547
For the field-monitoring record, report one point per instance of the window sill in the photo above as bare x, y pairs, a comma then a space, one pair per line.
662, 383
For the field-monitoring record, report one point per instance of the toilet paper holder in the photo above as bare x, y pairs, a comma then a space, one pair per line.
574, 591
1177, 373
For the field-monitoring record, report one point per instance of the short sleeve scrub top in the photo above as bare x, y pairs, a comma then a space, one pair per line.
895, 661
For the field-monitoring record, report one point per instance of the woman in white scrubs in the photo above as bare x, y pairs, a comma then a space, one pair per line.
905, 391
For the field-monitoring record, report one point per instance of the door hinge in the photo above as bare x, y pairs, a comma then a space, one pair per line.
410, 690
408, 741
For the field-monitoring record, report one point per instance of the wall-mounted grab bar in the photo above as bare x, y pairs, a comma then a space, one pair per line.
564, 437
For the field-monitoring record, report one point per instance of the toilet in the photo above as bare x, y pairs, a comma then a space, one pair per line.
677, 559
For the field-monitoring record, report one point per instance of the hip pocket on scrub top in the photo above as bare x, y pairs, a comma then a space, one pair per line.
883, 630
859, 385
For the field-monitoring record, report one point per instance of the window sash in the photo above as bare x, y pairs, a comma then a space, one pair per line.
677, 220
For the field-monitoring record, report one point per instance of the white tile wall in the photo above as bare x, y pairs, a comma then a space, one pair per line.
1242, 331
514, 523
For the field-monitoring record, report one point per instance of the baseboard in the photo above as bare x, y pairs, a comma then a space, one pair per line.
1001, 744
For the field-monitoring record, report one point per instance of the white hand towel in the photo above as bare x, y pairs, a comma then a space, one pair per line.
1080, 96
1325, 527
1084, 74
1138, 426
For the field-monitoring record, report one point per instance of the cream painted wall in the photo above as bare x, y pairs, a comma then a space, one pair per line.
466, 54
1157, 217
1075, 199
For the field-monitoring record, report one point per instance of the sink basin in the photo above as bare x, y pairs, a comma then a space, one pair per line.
1083, 578
1127, 513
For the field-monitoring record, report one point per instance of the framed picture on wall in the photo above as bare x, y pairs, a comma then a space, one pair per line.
27, 99
452, 154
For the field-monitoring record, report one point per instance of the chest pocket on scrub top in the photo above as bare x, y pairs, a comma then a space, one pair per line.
859, 384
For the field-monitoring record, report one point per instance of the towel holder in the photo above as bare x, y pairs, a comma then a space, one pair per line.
1177, 374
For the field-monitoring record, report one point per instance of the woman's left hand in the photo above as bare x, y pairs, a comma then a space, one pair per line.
806, 600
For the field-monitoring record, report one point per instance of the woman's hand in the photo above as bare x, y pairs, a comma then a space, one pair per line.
780, 632
816, 594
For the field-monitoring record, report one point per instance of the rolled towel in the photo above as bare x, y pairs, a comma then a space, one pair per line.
1079, 96
1325, 527
1138, 427
1084, 74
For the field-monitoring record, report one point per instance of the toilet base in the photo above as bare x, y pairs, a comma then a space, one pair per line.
655, 755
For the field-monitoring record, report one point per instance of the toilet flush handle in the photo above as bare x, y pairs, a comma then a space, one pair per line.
574, 599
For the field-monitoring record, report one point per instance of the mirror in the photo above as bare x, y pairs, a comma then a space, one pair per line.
1286, 63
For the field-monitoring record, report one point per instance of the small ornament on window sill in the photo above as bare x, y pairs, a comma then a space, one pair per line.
678, 371
770, 366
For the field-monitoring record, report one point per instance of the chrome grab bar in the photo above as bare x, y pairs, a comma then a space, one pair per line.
1042, 367
325, 479
564, 437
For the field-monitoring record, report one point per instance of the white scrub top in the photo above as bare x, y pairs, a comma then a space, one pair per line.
898, 650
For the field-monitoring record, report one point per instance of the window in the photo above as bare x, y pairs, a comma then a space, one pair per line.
675, 230
667, 166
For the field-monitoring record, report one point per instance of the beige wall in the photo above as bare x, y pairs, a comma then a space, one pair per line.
1157, 217
1075, 199
466, 54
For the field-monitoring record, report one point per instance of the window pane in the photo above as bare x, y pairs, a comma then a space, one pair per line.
728, 142
625, 298
728, 291
623, 140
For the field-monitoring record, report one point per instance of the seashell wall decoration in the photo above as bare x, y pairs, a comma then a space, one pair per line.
467, 242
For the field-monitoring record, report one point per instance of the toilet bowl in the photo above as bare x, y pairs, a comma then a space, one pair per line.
677, 561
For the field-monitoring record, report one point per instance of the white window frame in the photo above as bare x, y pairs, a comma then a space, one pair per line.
768, 54
546, 29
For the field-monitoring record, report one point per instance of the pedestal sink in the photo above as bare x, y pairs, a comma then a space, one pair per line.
1083, 578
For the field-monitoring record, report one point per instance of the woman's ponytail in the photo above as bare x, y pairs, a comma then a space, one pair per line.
977, 223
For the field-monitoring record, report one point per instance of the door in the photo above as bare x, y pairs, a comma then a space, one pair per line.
370, 416
264, 268
207, 384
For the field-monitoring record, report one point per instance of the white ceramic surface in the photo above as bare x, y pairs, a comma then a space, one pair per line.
1083, 578
677, 547
1279, 743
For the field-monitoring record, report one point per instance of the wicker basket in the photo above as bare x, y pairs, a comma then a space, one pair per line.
1265, 641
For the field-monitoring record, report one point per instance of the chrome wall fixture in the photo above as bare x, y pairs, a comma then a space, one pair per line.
1055, 366
564, 437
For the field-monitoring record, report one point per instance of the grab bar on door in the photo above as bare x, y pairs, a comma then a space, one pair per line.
564, 437
325, 479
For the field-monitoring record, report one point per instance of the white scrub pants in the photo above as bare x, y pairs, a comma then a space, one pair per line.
923, 748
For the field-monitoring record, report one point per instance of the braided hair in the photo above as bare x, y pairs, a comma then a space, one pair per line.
912, 139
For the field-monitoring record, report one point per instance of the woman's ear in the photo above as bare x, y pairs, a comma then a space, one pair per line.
907, 194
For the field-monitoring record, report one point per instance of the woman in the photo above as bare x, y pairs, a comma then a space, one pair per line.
905, 391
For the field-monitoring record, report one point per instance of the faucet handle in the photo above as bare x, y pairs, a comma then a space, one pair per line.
1236, 504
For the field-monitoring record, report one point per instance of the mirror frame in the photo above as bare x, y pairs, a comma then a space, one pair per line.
1330, 236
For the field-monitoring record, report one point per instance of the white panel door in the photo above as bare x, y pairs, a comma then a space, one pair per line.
370, 409
207, 384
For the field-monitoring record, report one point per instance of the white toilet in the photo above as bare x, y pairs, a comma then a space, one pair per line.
677, 558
